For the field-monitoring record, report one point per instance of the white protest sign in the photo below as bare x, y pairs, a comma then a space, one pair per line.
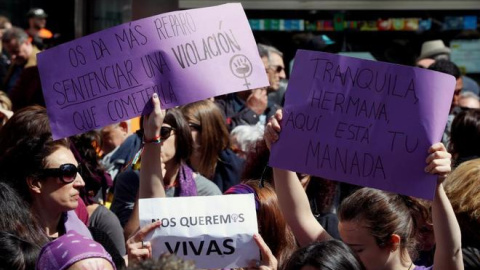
213, 231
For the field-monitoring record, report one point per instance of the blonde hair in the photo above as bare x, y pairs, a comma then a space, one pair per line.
5, 102
463, 189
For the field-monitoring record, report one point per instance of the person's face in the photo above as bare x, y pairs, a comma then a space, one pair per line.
58, 195
112, 136
168, 145
92, 264
19, 52
38, 23
358, 237
456, 94
275, 70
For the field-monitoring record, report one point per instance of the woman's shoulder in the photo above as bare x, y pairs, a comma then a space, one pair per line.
206, 187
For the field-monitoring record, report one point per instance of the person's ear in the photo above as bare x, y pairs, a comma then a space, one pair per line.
395, 242
34, 184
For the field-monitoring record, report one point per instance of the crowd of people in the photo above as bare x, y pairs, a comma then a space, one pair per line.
73, 203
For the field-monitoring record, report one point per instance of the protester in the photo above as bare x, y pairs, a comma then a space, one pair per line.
72, 251
463, 189
271, 223
4, 61
465, 136
119, 146
212, 156
272, 58
45, 174
378, 225
178, 179
332, 254
97, 182
37, 21
244, 138
22, 82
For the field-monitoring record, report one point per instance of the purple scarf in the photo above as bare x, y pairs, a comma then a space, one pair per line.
186, 183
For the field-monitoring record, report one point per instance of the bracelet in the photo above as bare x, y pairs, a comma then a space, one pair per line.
155, 140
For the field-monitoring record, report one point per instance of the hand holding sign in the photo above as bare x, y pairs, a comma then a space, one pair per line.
268, 262
152, 123
137, 249
439, 161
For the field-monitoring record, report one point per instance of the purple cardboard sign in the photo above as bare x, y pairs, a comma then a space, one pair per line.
184, 56
363, 122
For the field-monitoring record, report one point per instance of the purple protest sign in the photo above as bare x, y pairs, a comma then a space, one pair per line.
363, 122
184, 56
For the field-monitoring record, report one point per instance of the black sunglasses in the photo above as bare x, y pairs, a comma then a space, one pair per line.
165, 132
196, 127
66, 172
277, 69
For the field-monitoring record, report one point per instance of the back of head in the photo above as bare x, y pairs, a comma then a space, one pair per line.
465, 135
463, 189
165, 262
326, 255
383, 214
69, 249
17, 253
272, 226
213, 137
446, 66
25, 142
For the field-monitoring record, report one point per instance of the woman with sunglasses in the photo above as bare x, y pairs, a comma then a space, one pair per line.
45, 174
212, 156
173, 141
43, 171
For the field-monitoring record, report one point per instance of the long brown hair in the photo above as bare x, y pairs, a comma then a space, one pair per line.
213, 133
271, 224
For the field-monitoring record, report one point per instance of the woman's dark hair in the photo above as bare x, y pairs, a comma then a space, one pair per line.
326, 255
465, 135
25, 142
16, 217
92, 171
183, 137
383, 214
17, 253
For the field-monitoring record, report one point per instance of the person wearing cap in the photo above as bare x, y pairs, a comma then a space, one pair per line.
37, 20
73, 251
434, 50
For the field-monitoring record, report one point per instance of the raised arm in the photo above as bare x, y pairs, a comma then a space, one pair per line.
292, 198
151, 179
448, 252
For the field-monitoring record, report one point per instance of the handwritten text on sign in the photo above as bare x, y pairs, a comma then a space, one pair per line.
363, 122
214, 237
183, 56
